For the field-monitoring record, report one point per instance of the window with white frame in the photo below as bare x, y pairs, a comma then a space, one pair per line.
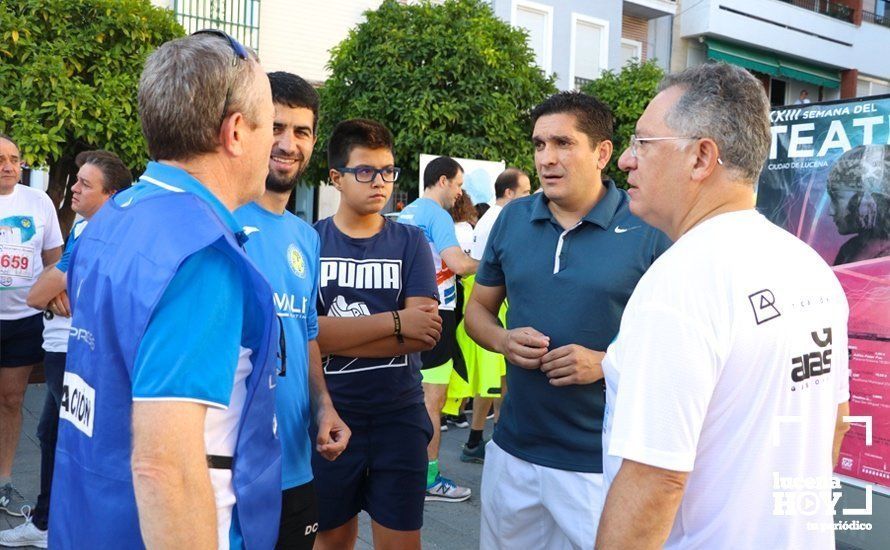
631, 49
537, 20
590, 49
867, 86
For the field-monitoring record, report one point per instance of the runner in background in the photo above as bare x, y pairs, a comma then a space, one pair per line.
30, 239
101, 174
464, 215
488, 368
442, 181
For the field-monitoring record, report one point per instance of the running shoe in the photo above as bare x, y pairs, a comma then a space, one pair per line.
473, 454
443, 424
11, 500
26, 534
458, 421
445, 490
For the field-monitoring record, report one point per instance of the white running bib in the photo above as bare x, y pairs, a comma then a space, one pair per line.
78, 403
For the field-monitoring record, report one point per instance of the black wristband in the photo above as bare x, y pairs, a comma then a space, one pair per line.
397, 329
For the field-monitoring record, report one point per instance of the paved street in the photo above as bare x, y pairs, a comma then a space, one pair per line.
446, 525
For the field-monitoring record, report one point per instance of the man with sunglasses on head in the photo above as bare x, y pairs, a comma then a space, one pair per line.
569, 259
286, 250
377, 309
167, 428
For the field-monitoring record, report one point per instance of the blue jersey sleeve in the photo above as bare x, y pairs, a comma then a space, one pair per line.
190, 349
312, 314
490, 272
442, 230
66, 255
420, 279
76, 230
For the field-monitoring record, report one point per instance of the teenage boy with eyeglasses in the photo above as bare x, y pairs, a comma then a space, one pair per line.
377, 309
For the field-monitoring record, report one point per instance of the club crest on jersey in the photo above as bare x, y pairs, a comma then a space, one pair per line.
296, 262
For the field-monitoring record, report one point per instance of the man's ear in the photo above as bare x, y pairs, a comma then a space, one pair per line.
335, 176
232, 133
604, 153
707, 159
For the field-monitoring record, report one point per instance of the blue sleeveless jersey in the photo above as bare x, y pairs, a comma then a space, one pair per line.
123, 264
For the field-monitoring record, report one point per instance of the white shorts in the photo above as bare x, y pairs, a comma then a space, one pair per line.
525, 505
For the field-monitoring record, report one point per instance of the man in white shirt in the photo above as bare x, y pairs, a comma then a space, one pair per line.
728, 382
511, 184
30, 238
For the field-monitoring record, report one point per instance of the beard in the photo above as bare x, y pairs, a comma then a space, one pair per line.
278, 184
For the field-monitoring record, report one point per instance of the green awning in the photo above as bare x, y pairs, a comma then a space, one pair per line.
772, 64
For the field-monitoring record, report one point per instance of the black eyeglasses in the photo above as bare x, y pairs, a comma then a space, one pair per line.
240, 53
366, 174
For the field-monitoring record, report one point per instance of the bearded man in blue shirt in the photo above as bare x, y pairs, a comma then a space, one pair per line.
286, 250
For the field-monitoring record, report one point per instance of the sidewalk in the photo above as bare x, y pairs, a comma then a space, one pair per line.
446, 525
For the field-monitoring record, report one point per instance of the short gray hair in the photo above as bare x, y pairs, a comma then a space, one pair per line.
727, 104
182, 92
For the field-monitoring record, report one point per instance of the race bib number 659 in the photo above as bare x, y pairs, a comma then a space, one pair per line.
16, 261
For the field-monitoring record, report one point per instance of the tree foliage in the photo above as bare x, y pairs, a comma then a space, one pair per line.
70, 70
446, 78
627, 92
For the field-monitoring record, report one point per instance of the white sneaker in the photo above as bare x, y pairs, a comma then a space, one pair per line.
445, 490
26, 534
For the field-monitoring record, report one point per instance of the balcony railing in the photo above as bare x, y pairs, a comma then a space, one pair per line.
239, 18
825, 7
881, 15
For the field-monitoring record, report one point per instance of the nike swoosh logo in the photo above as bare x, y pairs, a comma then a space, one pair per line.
620, 229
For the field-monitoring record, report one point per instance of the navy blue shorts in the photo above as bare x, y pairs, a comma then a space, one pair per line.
382, 471
21, 341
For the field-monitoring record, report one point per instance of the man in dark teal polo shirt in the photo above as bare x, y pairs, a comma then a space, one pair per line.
568, 259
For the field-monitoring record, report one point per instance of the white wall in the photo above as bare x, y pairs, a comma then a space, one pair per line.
867, 51
297, 36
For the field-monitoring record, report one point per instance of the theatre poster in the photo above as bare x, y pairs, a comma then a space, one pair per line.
827, 181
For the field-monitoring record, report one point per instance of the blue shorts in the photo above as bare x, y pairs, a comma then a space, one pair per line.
21, 341
382, 471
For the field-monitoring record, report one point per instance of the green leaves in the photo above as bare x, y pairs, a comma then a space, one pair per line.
70, 70
446, 78
627, 92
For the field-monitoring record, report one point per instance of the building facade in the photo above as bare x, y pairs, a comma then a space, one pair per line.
831, 48
576, 40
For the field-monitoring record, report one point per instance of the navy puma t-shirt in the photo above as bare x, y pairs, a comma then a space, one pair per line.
361, 277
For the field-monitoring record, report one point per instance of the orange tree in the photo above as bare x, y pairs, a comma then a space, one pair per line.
627, 92
447, 78
70, 71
